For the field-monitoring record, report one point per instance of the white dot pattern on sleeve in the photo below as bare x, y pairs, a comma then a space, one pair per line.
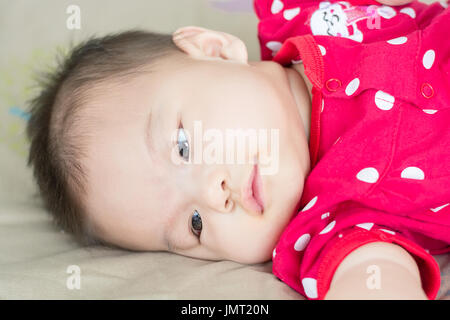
290, 14
329, 227
275, 46
310, 287
386, 12
388, 231
325, 215
302, 242
397, 41
310, 204
369, 175
439, 208
413, 173
366, 225
409, 11
276, 7
322, 49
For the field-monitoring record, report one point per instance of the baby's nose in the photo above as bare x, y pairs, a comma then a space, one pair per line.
218, 193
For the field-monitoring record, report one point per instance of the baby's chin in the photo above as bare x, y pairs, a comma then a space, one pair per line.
267, 250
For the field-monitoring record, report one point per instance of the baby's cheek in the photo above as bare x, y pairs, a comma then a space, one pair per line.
258, 251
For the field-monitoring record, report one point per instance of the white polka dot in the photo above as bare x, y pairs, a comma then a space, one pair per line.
276, 7
444, 3
323, 51
310, 204
400, 40
369, 175
388, 231
384, 101
386, 12
439, 208
310, 287
274, 253
291, 13
340, 235
325, 215
302, 242
429, 111
413, 173
427, 251
409, 11
367, 225
329, 227
274, 45
428, 59
352, 87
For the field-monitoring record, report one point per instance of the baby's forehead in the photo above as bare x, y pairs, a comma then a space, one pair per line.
109, 95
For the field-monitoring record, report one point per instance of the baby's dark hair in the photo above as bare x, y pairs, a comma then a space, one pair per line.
57, 136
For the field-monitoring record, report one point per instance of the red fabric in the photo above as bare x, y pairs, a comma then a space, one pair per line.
379, 140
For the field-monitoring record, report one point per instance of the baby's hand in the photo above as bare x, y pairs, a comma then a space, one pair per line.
377, 270
394, 2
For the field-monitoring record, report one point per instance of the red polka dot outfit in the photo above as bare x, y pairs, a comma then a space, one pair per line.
379, 140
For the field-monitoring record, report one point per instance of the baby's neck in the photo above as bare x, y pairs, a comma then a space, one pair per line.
301, 90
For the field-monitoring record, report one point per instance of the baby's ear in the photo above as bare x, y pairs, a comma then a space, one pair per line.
201, 43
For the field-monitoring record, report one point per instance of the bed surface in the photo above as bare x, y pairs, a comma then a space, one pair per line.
36, 258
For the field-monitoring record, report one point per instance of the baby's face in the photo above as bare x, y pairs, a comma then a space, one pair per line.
155, 164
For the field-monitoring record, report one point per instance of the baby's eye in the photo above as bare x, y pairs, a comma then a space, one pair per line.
183, 144
196, 223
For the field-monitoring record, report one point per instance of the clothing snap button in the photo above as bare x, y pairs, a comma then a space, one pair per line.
427, 90
333, 84
383, 236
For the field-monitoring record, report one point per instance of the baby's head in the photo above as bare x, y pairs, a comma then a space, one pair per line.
132, 145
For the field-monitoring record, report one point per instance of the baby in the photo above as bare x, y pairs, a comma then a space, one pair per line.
178, 143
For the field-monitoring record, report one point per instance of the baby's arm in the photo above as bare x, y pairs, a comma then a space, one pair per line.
377, 270
394, 2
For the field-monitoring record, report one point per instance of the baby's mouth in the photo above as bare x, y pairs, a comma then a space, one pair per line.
252, 196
